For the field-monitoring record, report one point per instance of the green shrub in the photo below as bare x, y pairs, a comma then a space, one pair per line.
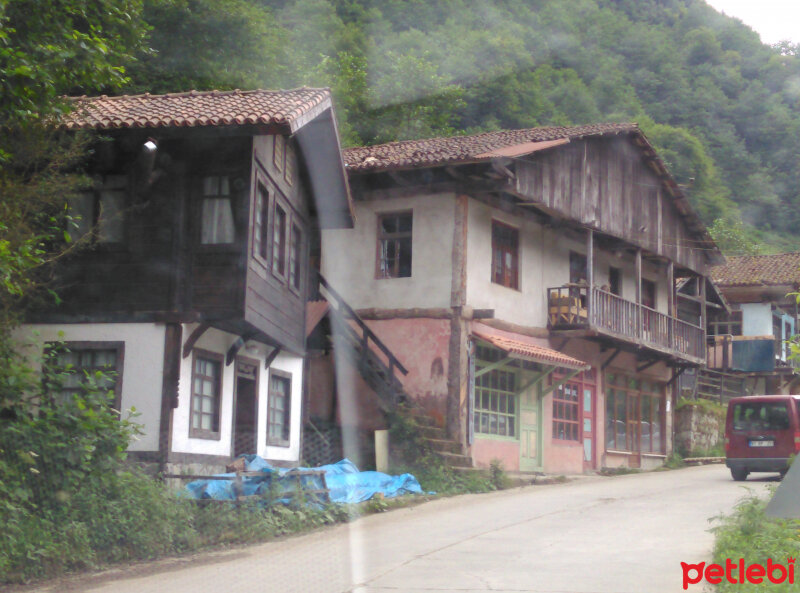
748, 533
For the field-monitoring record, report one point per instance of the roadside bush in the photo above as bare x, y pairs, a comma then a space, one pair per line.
748, 533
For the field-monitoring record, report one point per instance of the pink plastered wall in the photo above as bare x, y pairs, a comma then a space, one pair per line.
484, 451
422, 346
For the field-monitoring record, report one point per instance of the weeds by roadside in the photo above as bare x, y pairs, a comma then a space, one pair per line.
749, 534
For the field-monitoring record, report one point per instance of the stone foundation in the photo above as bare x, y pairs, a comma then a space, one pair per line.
697, 430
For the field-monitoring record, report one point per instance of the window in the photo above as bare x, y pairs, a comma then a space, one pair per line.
505, 255
206, 395
279, 241
102, 209
649, 293
279, 408
295, 258
79, 360
216, 225
261, 216
731, 324
278, 151
566, 412
577, 268
496, 403
615, 281
634, 414
394, 245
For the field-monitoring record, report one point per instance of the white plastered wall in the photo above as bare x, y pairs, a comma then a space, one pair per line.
142, 366
543, 264
756, 319
219, 342
349, 255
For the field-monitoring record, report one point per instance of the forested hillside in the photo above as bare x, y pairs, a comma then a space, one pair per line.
723, 108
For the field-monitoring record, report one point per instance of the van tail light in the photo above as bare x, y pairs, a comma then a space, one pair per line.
797, 442
728, 443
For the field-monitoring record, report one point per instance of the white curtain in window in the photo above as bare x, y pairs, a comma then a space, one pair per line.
217, 223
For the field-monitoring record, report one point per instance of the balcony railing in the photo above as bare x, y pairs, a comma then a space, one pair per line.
569, 308
747, 353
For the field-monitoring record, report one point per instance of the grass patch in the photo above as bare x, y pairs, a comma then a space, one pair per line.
748, 533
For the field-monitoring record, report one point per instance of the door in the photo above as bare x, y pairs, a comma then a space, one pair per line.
587, 417
530, 414
245, 428
634, 430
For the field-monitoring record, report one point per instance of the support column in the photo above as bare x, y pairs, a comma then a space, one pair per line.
173, 337
671, 302
589, 274
638, 293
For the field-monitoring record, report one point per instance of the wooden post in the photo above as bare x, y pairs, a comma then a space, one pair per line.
671, 302
589, 273
703, 314
639, 293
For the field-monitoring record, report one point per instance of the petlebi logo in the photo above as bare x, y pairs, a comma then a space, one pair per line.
738, 572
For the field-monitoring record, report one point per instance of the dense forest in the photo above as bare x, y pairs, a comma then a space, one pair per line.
723, 108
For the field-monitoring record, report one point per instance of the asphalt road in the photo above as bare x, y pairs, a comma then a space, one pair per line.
626, 534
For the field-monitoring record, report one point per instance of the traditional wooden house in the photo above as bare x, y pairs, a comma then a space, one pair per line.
527, 280
205, 213
750, 341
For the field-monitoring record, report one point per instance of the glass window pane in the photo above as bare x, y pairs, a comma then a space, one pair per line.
217, 222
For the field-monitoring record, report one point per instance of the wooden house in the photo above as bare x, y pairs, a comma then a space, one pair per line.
750, 341
527, 280
201, 225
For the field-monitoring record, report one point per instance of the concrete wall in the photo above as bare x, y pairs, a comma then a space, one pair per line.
142, 366
351, 264
756, 319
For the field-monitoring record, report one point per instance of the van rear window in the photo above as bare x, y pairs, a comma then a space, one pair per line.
760, 416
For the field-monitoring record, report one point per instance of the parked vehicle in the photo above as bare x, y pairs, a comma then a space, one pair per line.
762, 433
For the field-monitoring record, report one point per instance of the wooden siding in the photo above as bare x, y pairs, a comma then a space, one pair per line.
270, 304
162, 265
607, 185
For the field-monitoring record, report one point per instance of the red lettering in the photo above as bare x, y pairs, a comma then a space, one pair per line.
755, 573
771, 568
714, 574
687, 580
741, 570
729, 568
791, 570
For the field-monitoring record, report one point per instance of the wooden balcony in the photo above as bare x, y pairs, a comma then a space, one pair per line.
579, 310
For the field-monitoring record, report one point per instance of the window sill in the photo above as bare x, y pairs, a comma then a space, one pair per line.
656, 455
496, 437
615, 452
519, 290
284, 444
565, 442
206, 436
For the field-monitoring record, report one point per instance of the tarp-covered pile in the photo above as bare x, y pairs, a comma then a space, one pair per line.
345, 483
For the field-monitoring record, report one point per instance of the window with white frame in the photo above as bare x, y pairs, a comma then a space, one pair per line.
279, 408
206, 395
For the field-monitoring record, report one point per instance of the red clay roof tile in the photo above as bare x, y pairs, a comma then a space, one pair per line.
759, 270
526, 348
210, 108
438, 151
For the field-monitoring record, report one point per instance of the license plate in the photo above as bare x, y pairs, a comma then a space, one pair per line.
762, 443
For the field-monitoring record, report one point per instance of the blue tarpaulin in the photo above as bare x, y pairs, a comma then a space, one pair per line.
344, 481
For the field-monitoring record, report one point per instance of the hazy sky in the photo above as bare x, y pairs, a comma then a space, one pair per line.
774, 20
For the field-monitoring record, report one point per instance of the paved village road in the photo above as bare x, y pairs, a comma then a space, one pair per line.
626, 534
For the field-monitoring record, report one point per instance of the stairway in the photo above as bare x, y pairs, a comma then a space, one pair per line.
436, 439
718, 386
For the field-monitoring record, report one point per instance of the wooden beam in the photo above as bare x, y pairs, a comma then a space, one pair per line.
647, 365
236, 346
196, 334
639, 292
589, 271
272, 356
703, 300
676, 375
500, 363
671, 289
555, 386
611, 358
536, 380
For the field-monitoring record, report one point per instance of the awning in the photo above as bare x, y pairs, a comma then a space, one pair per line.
525, 348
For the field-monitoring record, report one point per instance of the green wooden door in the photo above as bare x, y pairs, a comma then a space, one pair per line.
530, 416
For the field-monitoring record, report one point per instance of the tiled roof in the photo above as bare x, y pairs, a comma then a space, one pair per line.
436, 151
194, 109
526, 348
759, 270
